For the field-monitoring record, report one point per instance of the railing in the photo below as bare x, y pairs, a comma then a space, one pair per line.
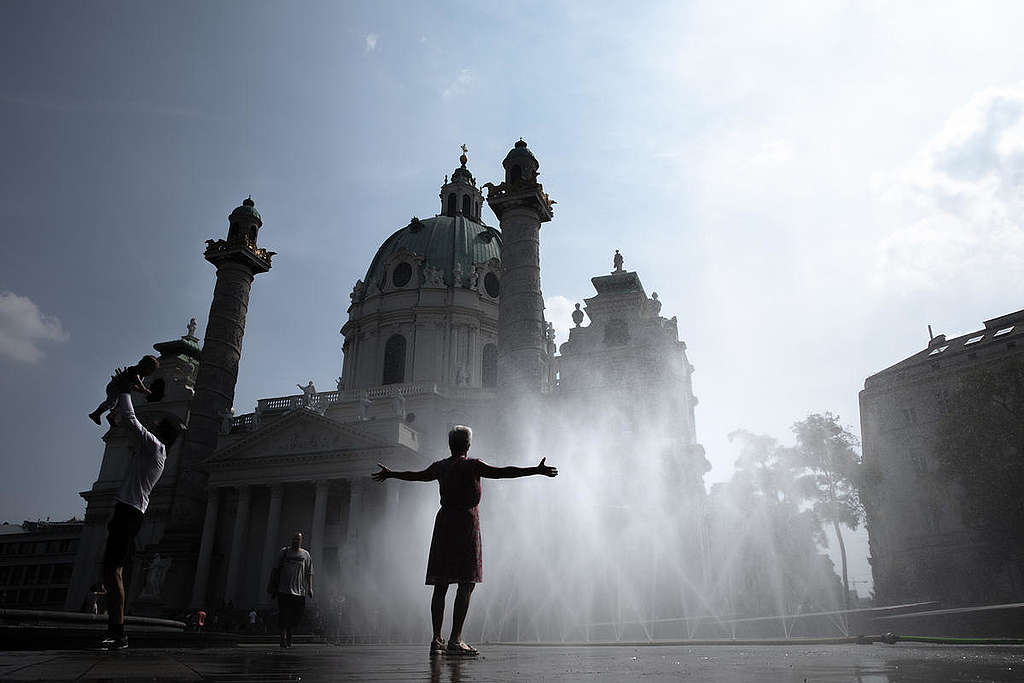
323, 399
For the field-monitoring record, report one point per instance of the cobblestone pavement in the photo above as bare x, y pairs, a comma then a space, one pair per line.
860, 663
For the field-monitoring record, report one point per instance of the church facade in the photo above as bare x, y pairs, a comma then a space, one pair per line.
446, 327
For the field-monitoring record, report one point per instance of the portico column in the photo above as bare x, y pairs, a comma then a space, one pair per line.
319, 518
355, 511
270, 545
206, 548
237, 542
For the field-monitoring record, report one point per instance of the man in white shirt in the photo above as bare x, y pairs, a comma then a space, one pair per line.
130, 503
294, 585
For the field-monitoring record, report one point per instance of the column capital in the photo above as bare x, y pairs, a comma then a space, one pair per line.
243, 489
213, 492
322, 484
277, 489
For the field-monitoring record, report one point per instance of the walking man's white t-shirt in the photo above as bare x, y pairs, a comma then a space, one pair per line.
146, 464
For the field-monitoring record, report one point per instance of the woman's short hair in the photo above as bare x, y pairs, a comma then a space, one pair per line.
459, 438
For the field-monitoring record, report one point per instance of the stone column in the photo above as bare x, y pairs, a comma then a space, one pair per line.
355, 507
319, 518
271, 549
237, 542
206, 548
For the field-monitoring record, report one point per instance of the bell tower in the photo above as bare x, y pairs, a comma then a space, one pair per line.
521, 205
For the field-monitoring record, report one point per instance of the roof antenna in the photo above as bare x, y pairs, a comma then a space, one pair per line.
930, 335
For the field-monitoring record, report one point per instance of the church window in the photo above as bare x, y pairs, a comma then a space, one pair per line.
467, 206
490, 367
394, 360
402, 274
451, 204
491, 285
515, 174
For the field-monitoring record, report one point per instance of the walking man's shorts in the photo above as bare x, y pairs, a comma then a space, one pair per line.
122, 529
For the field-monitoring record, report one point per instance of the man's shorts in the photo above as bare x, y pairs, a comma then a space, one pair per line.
290, 609
122, 529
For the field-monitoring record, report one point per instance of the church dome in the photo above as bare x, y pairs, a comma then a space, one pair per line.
247, 209
443, 242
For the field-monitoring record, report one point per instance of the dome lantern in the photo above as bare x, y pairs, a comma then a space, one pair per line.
460, 195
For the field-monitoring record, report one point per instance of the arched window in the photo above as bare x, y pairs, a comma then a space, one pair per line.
452, 204
394, 360
490, 368
515, 174
467, 206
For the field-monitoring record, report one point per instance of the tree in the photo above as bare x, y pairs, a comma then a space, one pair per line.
979, 445
827, 454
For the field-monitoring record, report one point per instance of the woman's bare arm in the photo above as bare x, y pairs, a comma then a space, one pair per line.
490, 472
384, 473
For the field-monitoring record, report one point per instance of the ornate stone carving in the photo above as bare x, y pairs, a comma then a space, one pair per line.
457, 275
617, 262
156, 572
433, 277
357, 291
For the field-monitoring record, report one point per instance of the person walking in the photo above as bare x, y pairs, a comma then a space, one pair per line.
455, 555
291, 583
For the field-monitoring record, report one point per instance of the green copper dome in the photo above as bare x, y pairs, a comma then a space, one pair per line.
442, 241
248, 208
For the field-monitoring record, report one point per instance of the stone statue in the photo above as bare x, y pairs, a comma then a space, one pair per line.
474, 279
655, 304
398, 405
457, 275
227, 421
433, 277
308, 394
549, 332
257, 417
577, 316
357, 291
341, 384
364, 406
191, 328
617, 262
155, 574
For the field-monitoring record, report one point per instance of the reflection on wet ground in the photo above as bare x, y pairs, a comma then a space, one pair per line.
860, 663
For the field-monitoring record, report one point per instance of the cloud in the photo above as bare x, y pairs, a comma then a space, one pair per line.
964, 198
558, 311
23, 326
459, 85
371, 42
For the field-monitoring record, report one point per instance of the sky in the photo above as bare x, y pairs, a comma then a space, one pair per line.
807, 186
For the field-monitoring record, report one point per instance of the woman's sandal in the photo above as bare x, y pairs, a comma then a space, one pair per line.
461, 649
436, 647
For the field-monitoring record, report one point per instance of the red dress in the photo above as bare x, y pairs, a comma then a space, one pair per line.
455, 555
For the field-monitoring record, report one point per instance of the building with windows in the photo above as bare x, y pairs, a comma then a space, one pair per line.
921, 549
36, 560
446, 321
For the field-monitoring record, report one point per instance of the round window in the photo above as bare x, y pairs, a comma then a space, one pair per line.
402, 274
491, 285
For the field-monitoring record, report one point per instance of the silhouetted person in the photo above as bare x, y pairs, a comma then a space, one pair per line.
294, 585
130, 503
455, 546
123, 381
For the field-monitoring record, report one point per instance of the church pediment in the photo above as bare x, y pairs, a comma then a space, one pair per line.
300, 432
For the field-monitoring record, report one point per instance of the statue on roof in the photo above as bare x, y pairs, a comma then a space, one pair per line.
655, 304
617, 262
191, 328
577, 316
308, 394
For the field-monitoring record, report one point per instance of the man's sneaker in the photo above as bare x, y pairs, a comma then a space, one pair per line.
112, 642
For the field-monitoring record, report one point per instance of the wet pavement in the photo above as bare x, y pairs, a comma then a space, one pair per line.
861, 663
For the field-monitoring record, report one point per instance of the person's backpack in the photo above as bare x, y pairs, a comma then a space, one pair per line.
275, 574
